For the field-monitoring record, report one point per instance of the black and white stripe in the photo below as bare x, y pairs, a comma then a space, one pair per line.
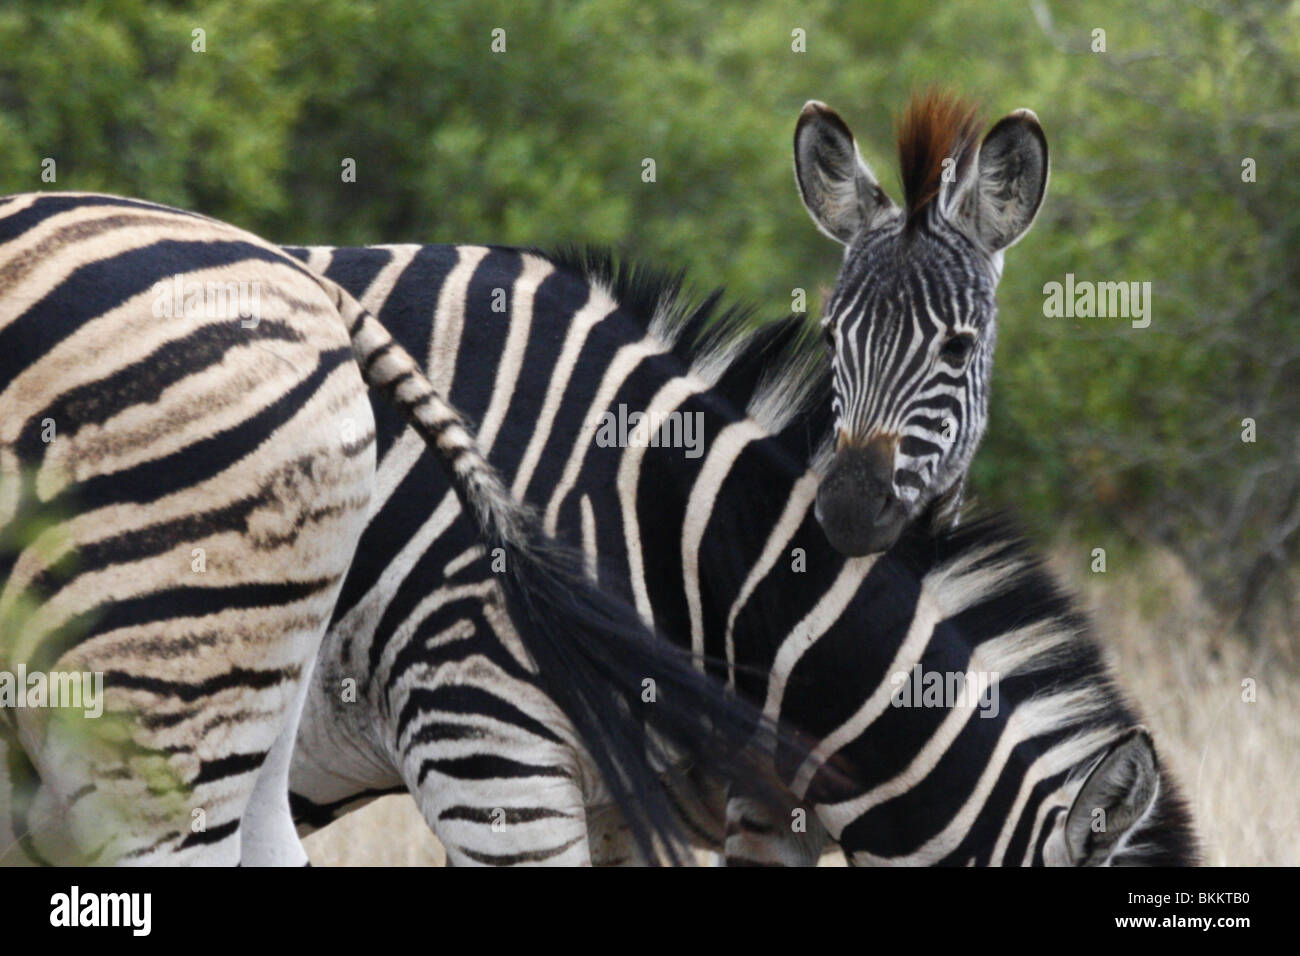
194, 515
724, 554
886, 329
187, 533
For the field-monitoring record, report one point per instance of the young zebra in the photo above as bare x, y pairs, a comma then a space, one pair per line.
911, 323
700, 545
187, 461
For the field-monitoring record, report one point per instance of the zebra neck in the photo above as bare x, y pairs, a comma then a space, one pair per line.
730, 541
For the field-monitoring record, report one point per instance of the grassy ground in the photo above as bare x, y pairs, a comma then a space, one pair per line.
387, 832
1238, 762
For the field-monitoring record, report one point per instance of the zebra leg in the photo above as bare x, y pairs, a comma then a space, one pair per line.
757, 836
19, 784
493, 767
339, 763
267, 836
537, 820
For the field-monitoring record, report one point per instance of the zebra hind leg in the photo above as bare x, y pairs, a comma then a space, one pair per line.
496, 782
510, 822
267, 833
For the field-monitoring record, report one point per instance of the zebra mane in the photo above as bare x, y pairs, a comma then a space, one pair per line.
936, 126
774, 372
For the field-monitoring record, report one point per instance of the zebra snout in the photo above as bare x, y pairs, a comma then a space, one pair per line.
856, 504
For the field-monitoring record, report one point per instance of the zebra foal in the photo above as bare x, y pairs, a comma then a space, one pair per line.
816, 639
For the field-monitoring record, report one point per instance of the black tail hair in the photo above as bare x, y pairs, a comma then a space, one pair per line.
594, 654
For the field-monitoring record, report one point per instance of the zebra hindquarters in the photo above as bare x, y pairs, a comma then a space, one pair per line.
187, 532
492, 762
495, 767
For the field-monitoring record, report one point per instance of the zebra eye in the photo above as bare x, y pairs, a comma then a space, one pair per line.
828, 334
958, 349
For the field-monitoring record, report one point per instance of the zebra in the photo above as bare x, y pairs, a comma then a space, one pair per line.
1070, 777
911, 323
709, 550
725, 554
184, 479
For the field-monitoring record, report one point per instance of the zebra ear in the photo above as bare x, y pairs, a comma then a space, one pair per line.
996, 202
837, 187
1116, 795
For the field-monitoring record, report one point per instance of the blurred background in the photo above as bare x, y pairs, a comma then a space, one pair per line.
1175, 151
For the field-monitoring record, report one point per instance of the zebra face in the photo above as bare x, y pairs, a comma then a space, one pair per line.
910, 331
910, 326
1117, 808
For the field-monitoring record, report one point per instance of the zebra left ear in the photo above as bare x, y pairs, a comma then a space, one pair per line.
996, 201
1116, 795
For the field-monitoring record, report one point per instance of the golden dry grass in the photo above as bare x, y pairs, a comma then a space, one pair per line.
1238, 762
387, 832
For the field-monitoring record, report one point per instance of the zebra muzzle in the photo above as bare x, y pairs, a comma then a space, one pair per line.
856, 504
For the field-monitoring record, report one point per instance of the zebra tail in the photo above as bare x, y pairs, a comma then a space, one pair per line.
594, 655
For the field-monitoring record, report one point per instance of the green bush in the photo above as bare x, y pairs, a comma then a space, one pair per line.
1128, 434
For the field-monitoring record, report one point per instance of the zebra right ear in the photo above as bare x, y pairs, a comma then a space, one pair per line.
837, 187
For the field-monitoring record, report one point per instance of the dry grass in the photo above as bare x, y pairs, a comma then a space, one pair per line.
1238, 762
387, 832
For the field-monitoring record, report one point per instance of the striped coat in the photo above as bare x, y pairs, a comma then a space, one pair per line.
723, 552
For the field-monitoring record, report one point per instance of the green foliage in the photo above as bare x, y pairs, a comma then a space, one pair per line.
1124, 432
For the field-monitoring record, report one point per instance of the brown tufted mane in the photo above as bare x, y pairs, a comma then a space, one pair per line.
936, 125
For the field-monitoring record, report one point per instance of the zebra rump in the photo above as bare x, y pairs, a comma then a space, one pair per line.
591, 650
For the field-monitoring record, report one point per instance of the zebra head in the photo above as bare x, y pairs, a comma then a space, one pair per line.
911, 321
